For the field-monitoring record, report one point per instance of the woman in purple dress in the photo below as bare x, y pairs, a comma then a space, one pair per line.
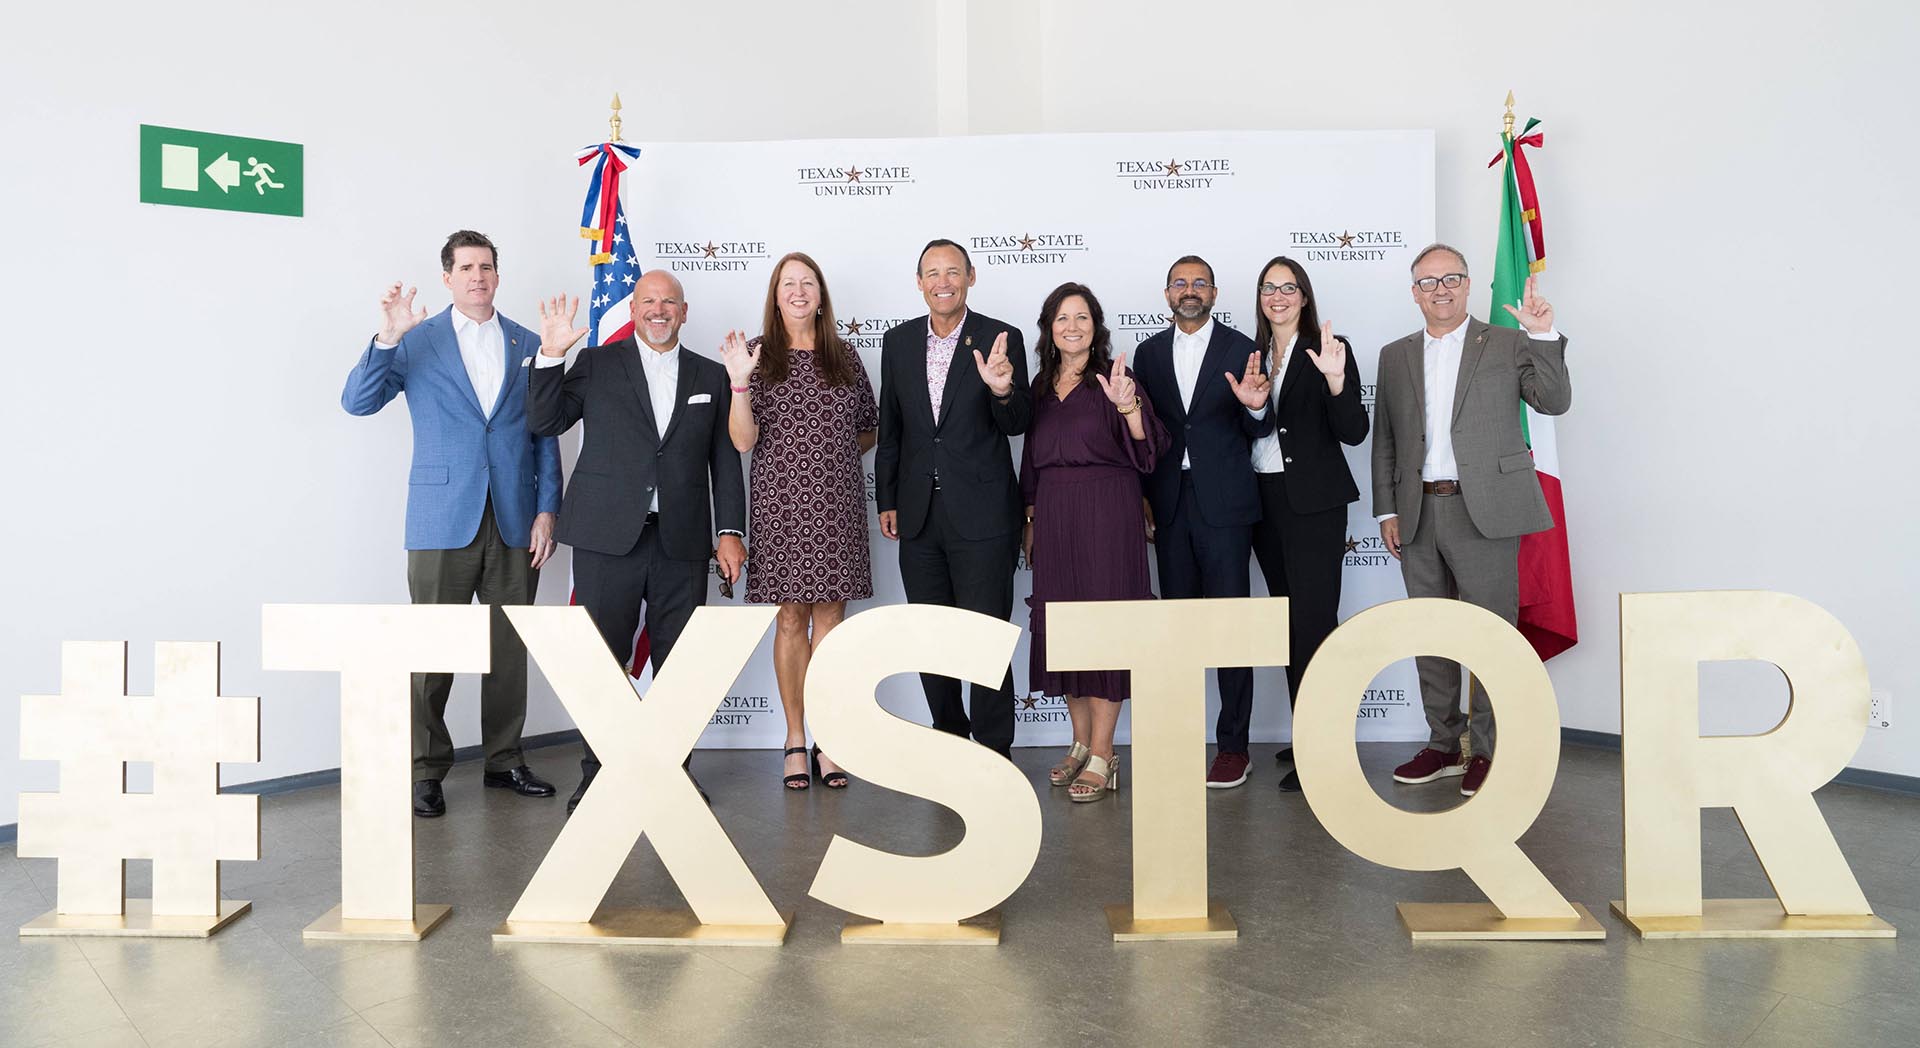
1090, 440
803, 405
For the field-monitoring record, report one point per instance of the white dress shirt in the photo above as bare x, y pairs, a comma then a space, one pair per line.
1267, 456
483, 349
1442, 379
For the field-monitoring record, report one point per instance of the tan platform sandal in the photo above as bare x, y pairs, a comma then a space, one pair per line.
1085, 790
1065, 771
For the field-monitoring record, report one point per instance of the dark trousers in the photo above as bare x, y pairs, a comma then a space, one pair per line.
1300, 555
1199, 560
613, 590
498, 574
940, 567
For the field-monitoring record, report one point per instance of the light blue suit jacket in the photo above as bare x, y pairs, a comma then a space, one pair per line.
462, 451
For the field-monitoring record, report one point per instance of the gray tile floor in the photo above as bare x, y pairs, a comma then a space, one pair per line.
1320, 960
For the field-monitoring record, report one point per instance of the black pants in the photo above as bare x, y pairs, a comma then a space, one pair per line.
940, 567
1198, 559
612, 589
1301, 556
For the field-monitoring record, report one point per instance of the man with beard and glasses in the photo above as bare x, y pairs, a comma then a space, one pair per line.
656, 472
1206, 384
481, 495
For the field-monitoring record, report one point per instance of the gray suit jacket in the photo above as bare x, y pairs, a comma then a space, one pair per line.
1499, 368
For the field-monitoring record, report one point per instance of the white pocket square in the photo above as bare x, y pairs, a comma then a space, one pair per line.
526, 362
700, 398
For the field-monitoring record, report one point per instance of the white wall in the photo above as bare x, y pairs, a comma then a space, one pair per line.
1726, 216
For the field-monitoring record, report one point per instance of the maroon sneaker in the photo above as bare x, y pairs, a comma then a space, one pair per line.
1476, 774
1229, 770
1427, 765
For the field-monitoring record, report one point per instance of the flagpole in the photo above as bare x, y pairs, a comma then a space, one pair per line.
613, 122
1466, 737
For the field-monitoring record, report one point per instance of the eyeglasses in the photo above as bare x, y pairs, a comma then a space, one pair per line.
1288, 288
1203, 284
1428, 285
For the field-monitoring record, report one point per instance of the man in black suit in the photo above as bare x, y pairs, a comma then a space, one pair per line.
953, 388
1206, 384
656, 471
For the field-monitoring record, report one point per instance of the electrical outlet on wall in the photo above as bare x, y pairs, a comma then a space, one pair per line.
1880, 710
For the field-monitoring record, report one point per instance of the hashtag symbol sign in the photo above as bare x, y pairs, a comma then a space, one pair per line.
92, 825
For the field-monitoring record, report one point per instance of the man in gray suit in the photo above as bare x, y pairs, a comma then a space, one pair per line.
1453, 481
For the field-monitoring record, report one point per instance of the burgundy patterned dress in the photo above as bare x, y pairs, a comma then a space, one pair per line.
1080, 471
807, 523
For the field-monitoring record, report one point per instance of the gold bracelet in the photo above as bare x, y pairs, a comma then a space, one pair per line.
1131, 410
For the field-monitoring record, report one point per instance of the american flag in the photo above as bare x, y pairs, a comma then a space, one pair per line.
616, 266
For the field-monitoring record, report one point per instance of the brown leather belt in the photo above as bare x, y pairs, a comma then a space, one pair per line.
1440, 487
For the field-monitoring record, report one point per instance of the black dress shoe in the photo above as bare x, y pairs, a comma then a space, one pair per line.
1284, 756
520, 780
1290, 782
428, 801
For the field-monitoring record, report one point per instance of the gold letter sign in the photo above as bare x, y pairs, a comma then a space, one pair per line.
1479, 836
1169, 645
1768, 780
376, 649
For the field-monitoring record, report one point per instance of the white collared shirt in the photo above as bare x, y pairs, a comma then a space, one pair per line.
1189, 352
1267, 456
483, 349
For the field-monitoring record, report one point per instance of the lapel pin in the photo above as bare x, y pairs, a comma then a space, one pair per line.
969, 340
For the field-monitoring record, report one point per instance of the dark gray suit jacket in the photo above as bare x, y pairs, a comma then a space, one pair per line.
624, 456
1499, 368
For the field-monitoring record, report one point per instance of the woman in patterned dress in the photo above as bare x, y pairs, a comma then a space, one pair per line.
1091, 439
803, 405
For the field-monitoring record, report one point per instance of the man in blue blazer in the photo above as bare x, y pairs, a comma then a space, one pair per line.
481, 496
1206, 384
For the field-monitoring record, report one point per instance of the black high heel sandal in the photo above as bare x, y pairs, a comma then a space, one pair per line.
798, 780
833, 780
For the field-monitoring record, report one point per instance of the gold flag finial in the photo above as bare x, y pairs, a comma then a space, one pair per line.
614, 121
1507, 128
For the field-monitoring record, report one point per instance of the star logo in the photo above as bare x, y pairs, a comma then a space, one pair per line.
1353, 544
1028, 702
1345, 238
1172, 166
1027, 242
853, 173
710, 249
853, 326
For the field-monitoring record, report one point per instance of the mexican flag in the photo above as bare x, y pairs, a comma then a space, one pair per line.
1546, 574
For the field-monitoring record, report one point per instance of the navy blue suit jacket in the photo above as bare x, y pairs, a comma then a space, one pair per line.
1215, 430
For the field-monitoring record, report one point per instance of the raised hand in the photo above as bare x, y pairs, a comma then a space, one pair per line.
1535, 312
1252, 388
995, 369
397, 315
557, 333
1331, 361
740, 356
1118, 387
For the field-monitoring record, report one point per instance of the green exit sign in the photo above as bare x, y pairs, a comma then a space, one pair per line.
227, 172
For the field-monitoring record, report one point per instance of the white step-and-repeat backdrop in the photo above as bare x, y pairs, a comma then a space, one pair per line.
1111, 211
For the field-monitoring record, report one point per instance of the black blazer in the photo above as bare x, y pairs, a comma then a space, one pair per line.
1312, 424
624, 456
1218, 433
968, 448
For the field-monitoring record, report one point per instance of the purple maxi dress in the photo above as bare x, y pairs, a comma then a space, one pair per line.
1081, 473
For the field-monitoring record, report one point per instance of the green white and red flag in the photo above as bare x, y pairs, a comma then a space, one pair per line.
1546, 571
